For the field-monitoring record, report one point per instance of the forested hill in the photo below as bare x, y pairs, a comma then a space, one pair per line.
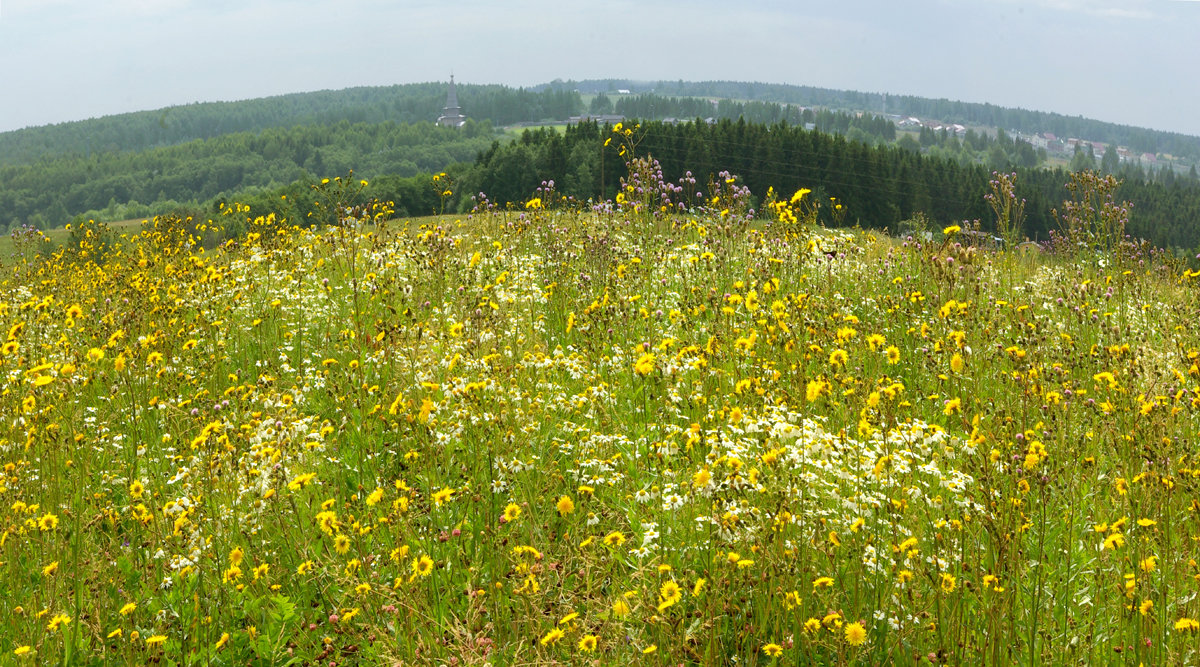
1140, 139
502, 105
409, 103
138, 164
880, 186
123, 184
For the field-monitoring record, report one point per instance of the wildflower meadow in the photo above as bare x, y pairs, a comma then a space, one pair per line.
662, 429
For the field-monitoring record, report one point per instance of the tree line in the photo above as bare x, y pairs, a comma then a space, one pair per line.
863, 127
880, 186
938, 175
122, 185
1139, 139
409, 103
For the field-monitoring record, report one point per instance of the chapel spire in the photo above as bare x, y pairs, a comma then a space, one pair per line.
452, 115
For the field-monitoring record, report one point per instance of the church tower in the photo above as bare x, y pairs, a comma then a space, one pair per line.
452, 115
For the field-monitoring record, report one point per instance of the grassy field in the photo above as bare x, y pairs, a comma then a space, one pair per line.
546, 436
60, 235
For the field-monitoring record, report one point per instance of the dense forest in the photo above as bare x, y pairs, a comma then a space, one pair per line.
880, 186
863, 127
1022, 120
121, 185
137, 164
410, 103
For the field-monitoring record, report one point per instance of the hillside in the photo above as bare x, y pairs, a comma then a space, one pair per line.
1142, 140
408, 103
123, 184
566, 434
189, 157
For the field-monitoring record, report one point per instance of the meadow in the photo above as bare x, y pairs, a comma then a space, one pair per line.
664, 429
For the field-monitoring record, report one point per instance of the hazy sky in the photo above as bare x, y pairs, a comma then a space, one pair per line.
1127, 61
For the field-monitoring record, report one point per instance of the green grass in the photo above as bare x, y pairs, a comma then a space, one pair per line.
58, 236
548, 436
515, 131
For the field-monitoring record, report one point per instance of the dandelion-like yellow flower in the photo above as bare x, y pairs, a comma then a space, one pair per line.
57, 622
301, 481
374, 497
327, 521
644, 365
893, 354
620, 608
422, 566
565, 620
668, 595
565, 505
856, 635
948, 583
442, 496
551, 637
1149, 564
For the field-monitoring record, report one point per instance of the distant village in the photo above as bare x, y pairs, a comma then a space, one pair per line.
1053, 145
1060, 147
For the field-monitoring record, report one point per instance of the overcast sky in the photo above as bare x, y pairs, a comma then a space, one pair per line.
1126, 61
